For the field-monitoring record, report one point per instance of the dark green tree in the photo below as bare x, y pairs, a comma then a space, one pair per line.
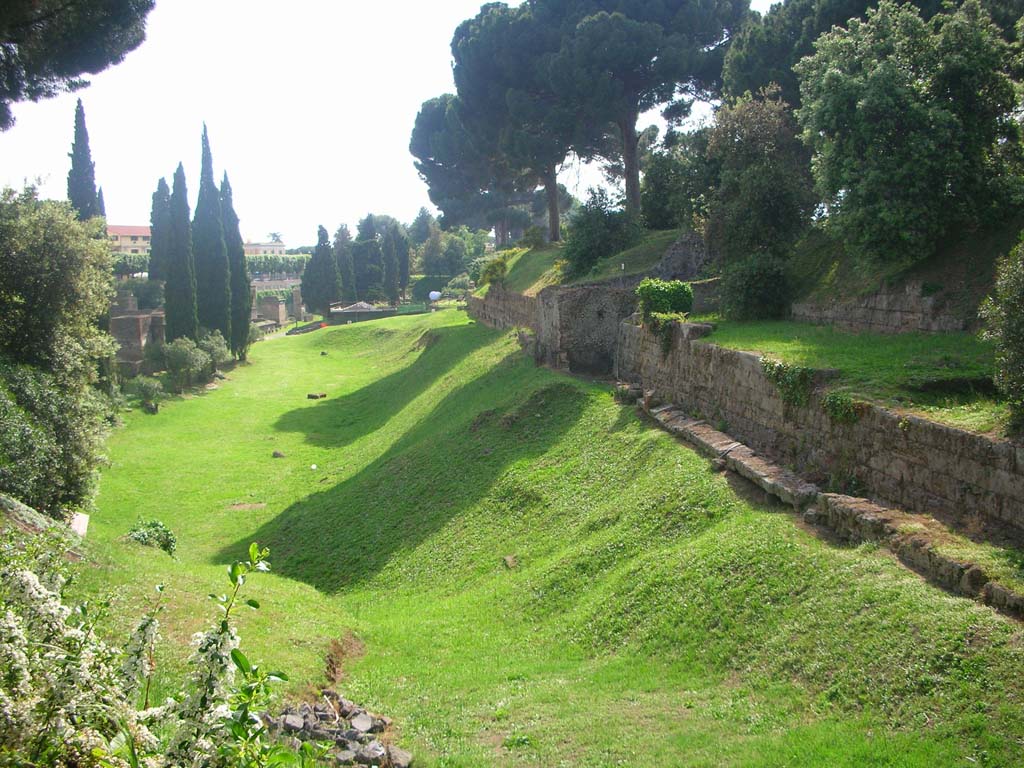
48, 45
368, 264
160, 232
213, 273
343, 257
321, 283
454, 256
82, 176
181, 320
389, 254
911, 125
404, 250
419, 230
619, 59
101, 206
241, 294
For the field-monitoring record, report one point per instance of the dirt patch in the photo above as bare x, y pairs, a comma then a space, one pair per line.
257, 505
347, 648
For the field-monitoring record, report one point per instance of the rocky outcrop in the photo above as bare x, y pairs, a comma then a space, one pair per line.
356, 736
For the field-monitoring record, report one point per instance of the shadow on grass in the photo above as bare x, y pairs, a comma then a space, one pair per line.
333, 423
345, 535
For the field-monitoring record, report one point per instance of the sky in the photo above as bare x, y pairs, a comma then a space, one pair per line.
309, 107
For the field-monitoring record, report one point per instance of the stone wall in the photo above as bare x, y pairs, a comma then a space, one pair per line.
503, 309
898, 310
903, 460
133, 329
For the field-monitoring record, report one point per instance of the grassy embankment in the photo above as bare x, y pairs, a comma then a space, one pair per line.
654, 617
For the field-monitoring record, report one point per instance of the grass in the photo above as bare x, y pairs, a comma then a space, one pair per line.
943, 376
657, 614
639, 259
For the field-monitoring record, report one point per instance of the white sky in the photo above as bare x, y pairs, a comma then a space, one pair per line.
309, 106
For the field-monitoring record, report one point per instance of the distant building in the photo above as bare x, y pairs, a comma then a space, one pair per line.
128, 239
358, 312
264, 249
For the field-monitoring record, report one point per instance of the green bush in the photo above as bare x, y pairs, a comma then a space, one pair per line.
186, 363
153, 533
214, 345
664, 297
534, 237
1003, 313
597, 230
148, 293
794, 382
458, 284
420, 290
494, 272
51, 438
756, 288
148, 390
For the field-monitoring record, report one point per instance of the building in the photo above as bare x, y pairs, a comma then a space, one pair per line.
134, 330
128, 239
355, 313
264, 249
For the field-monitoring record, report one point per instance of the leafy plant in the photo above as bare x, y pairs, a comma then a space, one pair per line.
755, 288
794, 382
597, 230
153, 533
661, 325
149, 390
186, 363
494, 272
663, 297
842, 409
1003, 313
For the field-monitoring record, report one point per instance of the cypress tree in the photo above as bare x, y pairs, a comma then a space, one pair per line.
160, 232
180, 290
321, 282
343, 257
101, 207
82, 176
213, 275
403, 248
389, 248
241, 296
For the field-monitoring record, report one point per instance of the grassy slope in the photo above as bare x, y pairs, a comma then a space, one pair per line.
655, 616
903, 371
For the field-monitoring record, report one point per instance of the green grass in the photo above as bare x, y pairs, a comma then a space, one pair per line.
912, 372
657, 616
637, 260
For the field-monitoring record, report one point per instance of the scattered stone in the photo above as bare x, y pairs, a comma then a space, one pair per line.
323, 353
350, 728
277, 455
312, 396
510, 561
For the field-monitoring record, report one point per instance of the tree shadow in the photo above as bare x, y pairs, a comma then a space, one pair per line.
334, 423
344, 535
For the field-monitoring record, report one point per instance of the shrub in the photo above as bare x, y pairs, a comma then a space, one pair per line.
186, 363
214, 345
421, 289
149, 390
793, 382
255, 334
1003, 313
533, 237
663, 296
51, 438
597, 230
841, 408
153, 533
494, 272
756, 288
458, 284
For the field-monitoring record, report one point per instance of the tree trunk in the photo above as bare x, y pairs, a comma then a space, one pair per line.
551, 188
631, 162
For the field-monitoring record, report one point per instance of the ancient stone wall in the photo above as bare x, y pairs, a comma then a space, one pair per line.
913, 463
899, 310
503, 309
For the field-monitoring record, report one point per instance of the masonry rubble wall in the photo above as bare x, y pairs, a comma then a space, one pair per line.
907, 461
899, 310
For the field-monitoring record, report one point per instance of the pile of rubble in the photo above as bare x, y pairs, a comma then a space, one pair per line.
358, 736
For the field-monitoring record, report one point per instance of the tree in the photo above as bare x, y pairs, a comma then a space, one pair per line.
419, 230
321, 283
454, 256
275, 237
49, 44
432, 254
343, 258
101, 206
368, 264
625, 58
404, 250
160, 231
213, 273
765, 194
1003, 313
241, 294
180, 315
911, 127
389, 252
82, 176
55, 286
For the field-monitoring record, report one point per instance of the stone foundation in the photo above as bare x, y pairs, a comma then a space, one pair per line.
900, 310
907, 461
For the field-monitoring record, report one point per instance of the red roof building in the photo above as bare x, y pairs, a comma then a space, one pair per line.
128, 239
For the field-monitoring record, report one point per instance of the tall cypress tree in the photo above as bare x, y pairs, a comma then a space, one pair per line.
82, 176
213, 275
343, 257
403, 247
241, 296
321, 283
180, 289
101, 207
389, 249
160, 232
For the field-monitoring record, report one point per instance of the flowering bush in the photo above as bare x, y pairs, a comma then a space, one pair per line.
69, 700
